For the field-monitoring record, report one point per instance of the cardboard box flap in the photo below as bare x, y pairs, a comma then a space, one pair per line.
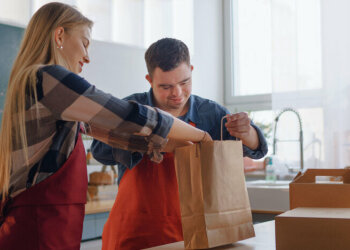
310, 175
304, 191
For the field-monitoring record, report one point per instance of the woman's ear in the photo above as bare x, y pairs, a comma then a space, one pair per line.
59, 32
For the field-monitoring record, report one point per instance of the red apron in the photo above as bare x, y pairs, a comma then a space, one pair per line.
146, 212
50, 214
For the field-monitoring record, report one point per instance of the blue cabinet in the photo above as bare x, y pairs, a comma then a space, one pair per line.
93, 225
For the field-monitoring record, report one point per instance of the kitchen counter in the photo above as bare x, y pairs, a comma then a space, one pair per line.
93, 207
264, 240
261, 175
255, 175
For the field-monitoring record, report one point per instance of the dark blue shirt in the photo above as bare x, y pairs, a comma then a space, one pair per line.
204, 113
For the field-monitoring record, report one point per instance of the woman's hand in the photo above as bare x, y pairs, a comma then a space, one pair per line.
186, 132
206, 137
172, 143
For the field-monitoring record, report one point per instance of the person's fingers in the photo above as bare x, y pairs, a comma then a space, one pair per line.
239, 135
236, 116
238, 125
237, 119
238, 129
235, 123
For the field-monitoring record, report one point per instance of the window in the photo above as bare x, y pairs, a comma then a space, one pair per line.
272, 46
273, 61
132, 22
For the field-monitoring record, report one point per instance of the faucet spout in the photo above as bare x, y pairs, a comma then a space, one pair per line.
300, 134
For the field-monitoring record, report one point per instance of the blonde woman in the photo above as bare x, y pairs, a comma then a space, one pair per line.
43, 177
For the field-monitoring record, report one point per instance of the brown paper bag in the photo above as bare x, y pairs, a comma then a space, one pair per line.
304, 191
214, 202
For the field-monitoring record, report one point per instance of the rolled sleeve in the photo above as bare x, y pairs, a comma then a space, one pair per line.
143, 129
160, 123
261, 151
108, 155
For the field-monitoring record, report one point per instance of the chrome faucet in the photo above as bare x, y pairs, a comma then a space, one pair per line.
300, 134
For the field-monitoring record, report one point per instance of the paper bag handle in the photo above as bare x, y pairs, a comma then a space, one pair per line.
222, 128
310, 175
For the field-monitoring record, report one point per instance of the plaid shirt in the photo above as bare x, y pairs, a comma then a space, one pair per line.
52, 125
206, 114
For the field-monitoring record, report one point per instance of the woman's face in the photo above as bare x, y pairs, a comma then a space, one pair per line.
75, 45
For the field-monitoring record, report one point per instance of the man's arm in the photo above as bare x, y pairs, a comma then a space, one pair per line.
108, 155
254, 142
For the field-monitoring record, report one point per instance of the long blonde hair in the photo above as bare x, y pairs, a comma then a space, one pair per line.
38, 48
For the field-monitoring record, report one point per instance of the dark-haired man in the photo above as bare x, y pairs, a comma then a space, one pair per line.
146, 212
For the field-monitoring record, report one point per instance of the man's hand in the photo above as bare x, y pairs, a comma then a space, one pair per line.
238, 125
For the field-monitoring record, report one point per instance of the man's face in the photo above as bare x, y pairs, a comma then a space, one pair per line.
172, 89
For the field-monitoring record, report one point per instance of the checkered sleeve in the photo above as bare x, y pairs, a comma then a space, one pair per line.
127, 125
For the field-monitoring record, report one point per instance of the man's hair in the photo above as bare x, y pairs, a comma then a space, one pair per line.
167, 54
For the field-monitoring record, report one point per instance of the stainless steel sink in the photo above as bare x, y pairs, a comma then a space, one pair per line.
268, 184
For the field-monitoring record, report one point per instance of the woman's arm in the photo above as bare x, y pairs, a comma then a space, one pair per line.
183, 131
122, 124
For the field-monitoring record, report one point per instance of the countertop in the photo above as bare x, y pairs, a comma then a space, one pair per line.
101, 206
264, 240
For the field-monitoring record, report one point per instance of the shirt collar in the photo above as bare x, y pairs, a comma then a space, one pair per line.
192, 113
150, 97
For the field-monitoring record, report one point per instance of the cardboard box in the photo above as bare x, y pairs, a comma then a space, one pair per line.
304, 191
313, 228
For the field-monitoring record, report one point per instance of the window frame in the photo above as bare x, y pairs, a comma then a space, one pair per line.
232, 102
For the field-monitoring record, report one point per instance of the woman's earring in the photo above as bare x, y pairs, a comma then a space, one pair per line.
61, 47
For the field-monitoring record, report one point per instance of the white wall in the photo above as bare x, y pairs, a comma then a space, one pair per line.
117, 69
16, 12
121, 70
208, 58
